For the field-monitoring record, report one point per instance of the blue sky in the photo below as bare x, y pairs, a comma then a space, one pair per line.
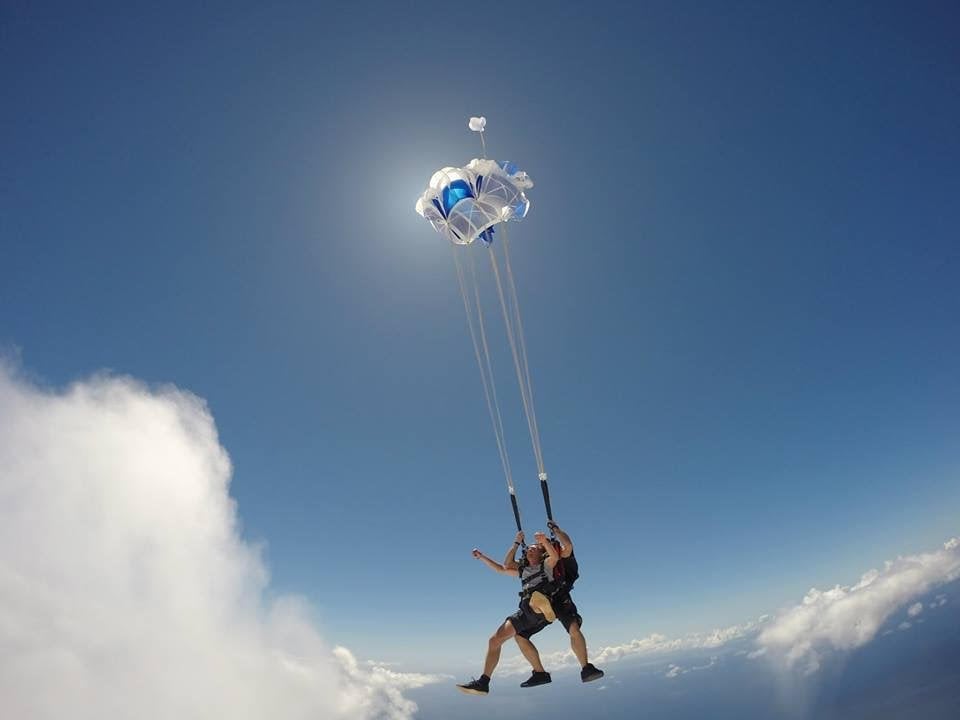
738, 280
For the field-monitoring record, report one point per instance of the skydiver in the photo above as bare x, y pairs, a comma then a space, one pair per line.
536, 573
535, 611
566, 610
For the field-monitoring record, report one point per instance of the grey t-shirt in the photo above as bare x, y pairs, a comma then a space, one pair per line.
532, 576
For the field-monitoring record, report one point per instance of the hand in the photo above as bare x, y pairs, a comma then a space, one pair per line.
477, 554
520, 538
540, 538
553, 526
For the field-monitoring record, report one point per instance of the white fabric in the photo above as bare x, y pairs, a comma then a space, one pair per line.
497, 197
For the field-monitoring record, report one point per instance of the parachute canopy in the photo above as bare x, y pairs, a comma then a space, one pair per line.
464, 204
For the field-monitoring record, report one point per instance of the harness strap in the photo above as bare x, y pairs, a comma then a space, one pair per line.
540, 581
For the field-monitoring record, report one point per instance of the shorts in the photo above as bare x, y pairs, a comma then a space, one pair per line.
526, 622
566, 611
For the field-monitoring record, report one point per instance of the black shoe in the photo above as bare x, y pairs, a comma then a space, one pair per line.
589, 673
476, 687
538, 678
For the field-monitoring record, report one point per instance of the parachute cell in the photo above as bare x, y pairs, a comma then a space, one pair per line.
464, 204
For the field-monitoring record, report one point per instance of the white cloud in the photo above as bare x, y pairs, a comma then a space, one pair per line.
845, 618
713, 661
378, 692
648, 646
915, 609
674, 670
125, 588
656, 643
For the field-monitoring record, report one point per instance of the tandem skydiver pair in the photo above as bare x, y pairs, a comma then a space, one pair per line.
547, 570
466, 204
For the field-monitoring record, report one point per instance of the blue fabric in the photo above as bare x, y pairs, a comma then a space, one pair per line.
454, 193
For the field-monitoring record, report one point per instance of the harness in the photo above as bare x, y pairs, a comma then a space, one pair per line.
533, 583
565, 574
538, 581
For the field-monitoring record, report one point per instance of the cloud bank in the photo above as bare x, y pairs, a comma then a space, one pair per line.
845, 618
126, 590
649, 646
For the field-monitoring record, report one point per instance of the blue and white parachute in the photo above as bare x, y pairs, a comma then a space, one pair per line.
465, 203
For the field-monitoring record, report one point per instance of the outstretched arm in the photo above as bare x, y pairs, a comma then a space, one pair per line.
493, 564
566, 544
510, 561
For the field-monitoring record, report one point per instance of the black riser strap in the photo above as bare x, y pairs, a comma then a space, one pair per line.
516, 511
546, 499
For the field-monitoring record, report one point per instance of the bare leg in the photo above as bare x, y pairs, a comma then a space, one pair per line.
578, 643
541, 605
530, 652
503, 633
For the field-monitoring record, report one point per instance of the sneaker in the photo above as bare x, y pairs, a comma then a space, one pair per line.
541, 604
589, 673
476, 687
538, 678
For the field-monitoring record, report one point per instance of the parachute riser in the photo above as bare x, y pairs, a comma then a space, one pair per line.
545, 489
516, 516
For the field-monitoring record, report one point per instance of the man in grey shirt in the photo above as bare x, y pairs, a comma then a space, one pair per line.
534, 613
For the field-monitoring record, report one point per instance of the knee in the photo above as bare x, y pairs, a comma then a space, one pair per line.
498, 638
